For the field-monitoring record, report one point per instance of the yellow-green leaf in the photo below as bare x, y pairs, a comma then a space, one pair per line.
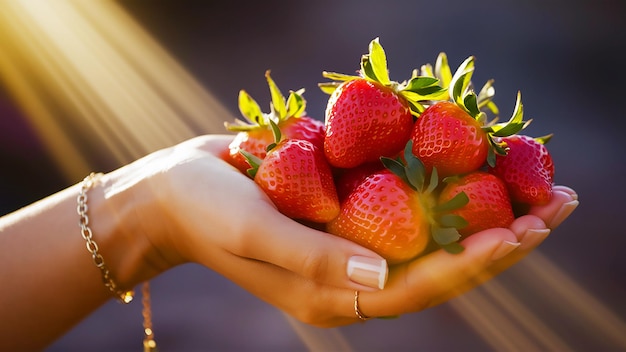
250, 109
378, 62
295, 104
461, 80
278, 100
442, 69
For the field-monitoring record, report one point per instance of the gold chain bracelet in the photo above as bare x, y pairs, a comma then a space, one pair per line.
149, 344
122, 295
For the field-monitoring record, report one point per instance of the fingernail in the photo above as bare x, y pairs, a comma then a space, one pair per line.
532, 237
563, 213
505, 248
371, 272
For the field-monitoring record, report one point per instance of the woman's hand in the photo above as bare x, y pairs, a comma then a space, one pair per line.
194, 207
413, 286
213, 215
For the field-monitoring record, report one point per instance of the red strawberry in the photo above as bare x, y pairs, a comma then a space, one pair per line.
448, 138
453, 136
386, 215
297, 178
391, 213
527, 169
365, 120
346, 180
489, 205
369, 116
255, 134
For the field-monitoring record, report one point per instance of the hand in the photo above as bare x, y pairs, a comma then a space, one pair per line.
213, 215
194, 207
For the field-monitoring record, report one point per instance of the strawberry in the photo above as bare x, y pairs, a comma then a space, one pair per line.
489, 204
386, 215
369, 116
346, 180
448, 138
527, 169
297, 178
391, 212
255, 134
453, 135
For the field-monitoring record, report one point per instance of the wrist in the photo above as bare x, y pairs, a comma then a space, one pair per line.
116, 202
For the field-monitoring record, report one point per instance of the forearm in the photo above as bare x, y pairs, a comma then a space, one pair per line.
49, 280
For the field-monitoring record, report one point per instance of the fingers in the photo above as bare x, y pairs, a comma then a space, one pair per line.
567, 190
563, 202
530, 231
288, 265
438, 276
313, 254
414, 286
312, 303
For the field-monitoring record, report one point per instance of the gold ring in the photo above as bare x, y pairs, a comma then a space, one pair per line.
357, 311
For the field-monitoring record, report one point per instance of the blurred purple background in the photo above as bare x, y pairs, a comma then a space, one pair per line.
566, 57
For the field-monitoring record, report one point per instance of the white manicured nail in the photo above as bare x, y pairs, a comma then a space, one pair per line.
533, 237
371, 272
563, 213
505, 248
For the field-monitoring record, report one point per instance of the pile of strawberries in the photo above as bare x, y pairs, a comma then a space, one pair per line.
395, 166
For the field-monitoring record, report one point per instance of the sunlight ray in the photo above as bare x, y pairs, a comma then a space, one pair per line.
569, 296
499, 314
97, 73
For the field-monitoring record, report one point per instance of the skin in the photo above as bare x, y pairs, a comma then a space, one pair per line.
185, 204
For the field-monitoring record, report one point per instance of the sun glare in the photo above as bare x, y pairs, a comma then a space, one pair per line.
84, 70
88, 68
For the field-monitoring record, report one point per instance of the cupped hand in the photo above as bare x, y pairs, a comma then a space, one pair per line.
413, 286
208, 212
218, 217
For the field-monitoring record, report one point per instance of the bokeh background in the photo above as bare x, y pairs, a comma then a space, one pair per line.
566, 57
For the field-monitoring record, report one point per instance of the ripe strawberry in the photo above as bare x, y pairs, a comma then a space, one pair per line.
454, 136
255, 134
448, 138
385, 215
346, 180
527, 169
369, 115
489, 204
365, 120
297, 178
391, 212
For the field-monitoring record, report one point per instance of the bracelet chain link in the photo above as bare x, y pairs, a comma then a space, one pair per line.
122, 295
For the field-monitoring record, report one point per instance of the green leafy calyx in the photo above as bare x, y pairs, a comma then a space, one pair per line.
417, 91
254, 160
281, 109
460, 90
444, 225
